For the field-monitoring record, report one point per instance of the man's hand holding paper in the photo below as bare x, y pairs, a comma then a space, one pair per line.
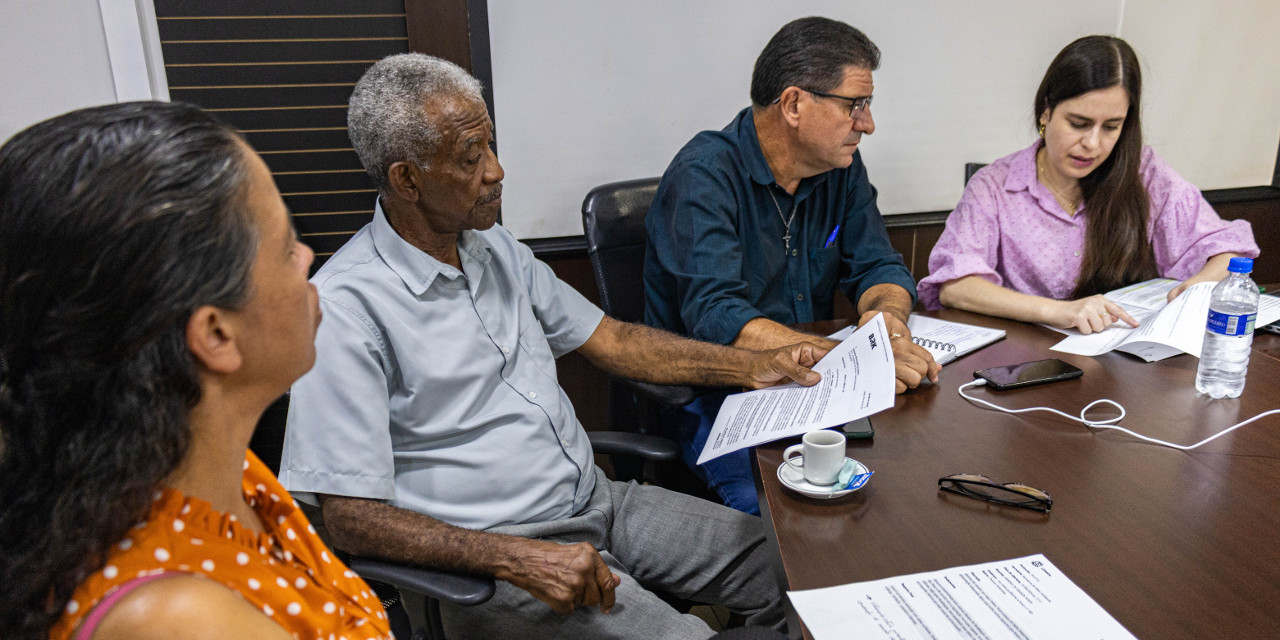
857, 381
795, 362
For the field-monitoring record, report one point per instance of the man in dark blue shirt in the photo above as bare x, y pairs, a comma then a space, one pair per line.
754, 227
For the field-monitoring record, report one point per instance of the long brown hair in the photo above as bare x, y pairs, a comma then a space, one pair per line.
1117, 250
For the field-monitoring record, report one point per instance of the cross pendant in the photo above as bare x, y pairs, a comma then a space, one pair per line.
787, 238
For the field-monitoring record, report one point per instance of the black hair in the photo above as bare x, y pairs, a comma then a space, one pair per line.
116, 223
810, 53
1116, 205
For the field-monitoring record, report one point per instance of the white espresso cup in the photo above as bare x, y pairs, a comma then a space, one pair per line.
823, 452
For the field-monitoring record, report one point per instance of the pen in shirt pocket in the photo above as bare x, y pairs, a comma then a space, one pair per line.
832, 238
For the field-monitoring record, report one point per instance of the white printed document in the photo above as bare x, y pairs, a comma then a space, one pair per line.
1006, 600
857, 381
1164, 328
944, 340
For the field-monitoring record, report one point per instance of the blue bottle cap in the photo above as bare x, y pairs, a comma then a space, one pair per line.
1240, 265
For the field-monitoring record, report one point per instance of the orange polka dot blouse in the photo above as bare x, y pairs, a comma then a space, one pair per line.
287, 572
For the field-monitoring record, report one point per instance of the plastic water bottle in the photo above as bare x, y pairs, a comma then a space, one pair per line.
1228, 334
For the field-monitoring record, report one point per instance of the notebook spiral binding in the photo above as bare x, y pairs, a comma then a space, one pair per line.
934, 344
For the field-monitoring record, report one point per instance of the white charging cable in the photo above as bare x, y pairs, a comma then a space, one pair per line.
1109, 423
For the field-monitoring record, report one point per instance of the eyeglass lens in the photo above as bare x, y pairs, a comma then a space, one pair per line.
856, 107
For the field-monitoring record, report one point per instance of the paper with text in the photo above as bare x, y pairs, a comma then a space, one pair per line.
1164, 328
1014, 599
932, 334
857, 381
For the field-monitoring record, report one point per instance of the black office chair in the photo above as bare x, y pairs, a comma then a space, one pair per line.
395, 583
613, 219
971, 168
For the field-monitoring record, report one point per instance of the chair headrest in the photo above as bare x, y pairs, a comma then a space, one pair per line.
613, 214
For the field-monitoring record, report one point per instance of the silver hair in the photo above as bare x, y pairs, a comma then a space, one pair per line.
386, 119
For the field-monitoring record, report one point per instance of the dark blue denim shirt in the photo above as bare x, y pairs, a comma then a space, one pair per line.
716, 258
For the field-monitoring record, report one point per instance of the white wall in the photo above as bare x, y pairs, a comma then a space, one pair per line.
59, 55
591, 91
53, 58
1211, 100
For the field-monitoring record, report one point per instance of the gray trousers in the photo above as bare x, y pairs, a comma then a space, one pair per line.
654, 539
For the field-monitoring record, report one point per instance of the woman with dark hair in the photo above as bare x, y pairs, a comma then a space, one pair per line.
153, 302
1039, 235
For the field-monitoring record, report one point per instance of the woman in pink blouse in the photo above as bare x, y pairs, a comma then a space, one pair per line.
1040, 234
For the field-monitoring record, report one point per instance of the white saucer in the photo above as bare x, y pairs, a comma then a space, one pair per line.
793, 479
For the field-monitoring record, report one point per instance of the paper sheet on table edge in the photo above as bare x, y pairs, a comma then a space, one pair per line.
816, 606
879, 401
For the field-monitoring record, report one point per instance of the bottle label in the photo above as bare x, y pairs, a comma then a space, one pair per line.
1231, 325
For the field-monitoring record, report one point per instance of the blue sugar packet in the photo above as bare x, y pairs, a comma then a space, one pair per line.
848, 479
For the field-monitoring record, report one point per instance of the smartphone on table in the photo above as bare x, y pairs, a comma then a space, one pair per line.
1026, 374
858, 429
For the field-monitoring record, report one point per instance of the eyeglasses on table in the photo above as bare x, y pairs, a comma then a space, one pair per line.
981, 487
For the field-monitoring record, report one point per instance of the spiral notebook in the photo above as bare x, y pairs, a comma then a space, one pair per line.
949, 340
943, 339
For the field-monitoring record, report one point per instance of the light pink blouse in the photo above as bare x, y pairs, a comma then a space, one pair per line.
1008, 229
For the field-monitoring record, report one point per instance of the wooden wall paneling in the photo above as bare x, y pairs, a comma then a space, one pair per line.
440, 28
586, 385
1275, 177
842, 308
903, 240
481, 57
926, 237
1264, 216
906, 237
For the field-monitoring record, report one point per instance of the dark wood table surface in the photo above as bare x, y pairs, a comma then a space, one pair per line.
1173, 544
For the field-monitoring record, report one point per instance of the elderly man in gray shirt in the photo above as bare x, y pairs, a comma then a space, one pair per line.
432, 429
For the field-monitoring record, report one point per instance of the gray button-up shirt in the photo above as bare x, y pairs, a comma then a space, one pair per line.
436, 390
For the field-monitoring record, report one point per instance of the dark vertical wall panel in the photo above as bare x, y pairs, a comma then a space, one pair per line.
585, 384
439, 28
1275, 178
1262, 214
481, 59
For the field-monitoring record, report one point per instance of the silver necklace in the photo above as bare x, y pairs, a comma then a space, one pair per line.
786, 222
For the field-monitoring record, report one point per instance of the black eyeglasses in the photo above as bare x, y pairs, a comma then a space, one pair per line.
856, 105
1011, 493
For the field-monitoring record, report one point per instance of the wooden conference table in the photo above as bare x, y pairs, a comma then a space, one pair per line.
1172, 544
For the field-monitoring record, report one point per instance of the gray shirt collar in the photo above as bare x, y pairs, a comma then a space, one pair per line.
416, 267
